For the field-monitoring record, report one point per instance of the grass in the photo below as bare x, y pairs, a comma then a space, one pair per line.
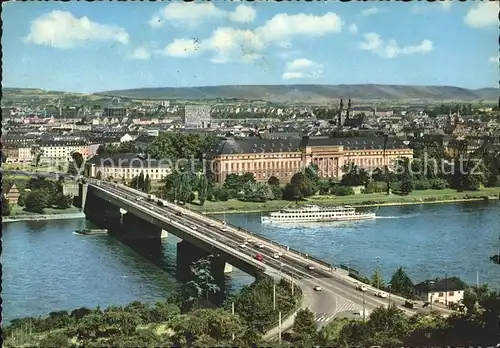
19, 211
375, 199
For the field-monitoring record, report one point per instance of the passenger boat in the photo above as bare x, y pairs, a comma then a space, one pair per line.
91, 231
314, 213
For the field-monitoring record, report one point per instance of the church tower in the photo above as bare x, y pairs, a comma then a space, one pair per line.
340, 116
349, 105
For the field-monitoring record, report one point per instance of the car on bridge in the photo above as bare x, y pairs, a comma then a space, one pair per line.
317, 288
243, 246
362, 287
381, 294
276, 256
310, 267
259, 257
193, 227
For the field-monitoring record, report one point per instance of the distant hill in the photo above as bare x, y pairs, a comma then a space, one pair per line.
310, 93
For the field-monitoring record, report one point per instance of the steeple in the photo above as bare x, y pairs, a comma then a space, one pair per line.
349, 104
341, 109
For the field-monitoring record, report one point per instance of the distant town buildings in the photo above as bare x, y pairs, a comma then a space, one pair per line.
283, 158
126, 167
197, 116
115, 112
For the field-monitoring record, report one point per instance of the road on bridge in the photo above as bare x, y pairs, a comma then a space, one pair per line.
338, 293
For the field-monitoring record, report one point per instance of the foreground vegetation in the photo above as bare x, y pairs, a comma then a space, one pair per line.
165, 324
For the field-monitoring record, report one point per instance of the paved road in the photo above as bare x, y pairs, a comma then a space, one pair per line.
338, 290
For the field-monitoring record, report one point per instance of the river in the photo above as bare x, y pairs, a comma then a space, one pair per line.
47, 268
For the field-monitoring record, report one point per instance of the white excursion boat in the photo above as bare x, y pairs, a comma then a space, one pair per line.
314, 213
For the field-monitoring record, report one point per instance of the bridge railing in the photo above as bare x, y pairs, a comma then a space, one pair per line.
230, 250
282, 246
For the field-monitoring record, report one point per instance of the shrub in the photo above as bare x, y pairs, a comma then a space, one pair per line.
342, 190
422, 185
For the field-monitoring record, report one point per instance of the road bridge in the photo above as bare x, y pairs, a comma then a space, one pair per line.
202, 235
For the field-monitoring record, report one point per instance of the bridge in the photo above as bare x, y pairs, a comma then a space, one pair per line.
202, 235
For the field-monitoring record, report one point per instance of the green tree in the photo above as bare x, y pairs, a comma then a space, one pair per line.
21, 200
78, 162
354, 175
401, 283
201, 271
292, 192
202, 189
98, 175
377, 279
147, 184
141, 181
273, 181
5, 206
303, 183
63, 201
37, 153
257, 192
36, 201
304, 326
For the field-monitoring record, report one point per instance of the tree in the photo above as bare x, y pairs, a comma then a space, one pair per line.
37, 154
147, 184
292, 192
77, 162
354, 175
140, 181
304, 326
5, 206
201, 270
401, 283
273, 181
63, 201
98, 175
303, 183
377, 280
257, 192
37, 201
202, 189
21, 200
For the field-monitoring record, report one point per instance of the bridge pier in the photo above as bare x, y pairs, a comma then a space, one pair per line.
101, 212
133, 228
80, 199
187, 254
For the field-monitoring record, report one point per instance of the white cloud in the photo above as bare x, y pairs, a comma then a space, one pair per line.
373, 42
494, 59
302, 68
446, 5
181, 48
192, 14
283, 27
141, 53
482, 15
353, 28
243, 14
370, 11
60, 29
230, 44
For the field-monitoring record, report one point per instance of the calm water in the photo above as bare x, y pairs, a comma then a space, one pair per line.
429, 240
47, 268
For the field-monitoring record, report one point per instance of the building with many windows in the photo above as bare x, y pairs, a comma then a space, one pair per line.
60, 149
197, 116
283, 158
126, 166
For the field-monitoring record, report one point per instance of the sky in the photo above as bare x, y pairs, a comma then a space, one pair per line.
91, 47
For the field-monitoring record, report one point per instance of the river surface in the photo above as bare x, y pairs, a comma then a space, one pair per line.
47, 268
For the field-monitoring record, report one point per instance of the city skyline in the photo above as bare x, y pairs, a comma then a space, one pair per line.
82, 47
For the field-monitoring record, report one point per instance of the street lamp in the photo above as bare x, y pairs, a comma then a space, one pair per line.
378, 268
389, 285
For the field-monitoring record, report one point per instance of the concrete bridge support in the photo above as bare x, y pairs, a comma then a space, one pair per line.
133, 228
101, 212
80, 195
187, 254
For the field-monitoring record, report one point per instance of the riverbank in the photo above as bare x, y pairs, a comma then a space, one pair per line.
43, 217
359, 200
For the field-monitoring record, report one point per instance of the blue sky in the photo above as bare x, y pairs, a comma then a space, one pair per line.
90, 47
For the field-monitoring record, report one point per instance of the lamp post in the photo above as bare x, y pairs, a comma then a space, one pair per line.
378, 268
390, 291
364, 311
